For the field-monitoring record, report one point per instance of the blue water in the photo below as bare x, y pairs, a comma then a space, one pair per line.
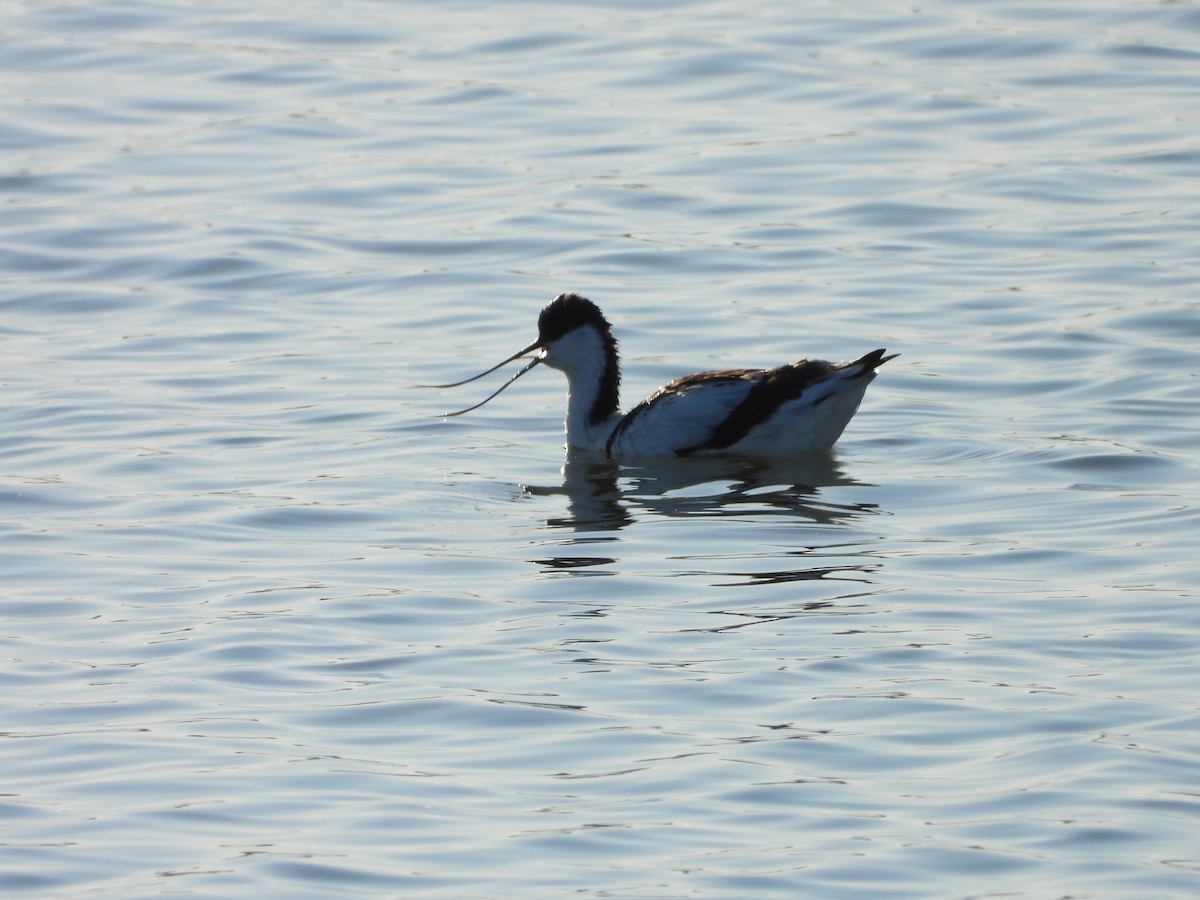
272, 626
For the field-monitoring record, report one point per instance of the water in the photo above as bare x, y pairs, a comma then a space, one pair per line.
271, 626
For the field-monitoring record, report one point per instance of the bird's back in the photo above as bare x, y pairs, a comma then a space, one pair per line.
798, 408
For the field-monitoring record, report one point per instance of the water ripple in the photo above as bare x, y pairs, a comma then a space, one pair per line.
273, 623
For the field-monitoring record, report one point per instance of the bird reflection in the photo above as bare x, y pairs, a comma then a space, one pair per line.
604, 496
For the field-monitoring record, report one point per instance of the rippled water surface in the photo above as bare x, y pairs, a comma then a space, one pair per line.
273, 627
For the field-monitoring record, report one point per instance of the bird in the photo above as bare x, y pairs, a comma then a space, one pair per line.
797, 408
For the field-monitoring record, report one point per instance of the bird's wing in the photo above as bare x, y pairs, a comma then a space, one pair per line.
712, 411
682, 414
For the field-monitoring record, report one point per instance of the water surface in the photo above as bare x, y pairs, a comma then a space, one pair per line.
271, 624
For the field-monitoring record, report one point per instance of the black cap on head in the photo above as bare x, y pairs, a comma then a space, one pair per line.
565, 313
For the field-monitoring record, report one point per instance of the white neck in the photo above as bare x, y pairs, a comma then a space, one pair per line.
582, 433
583, 357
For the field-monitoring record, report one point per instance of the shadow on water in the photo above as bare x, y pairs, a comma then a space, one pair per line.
604, 496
